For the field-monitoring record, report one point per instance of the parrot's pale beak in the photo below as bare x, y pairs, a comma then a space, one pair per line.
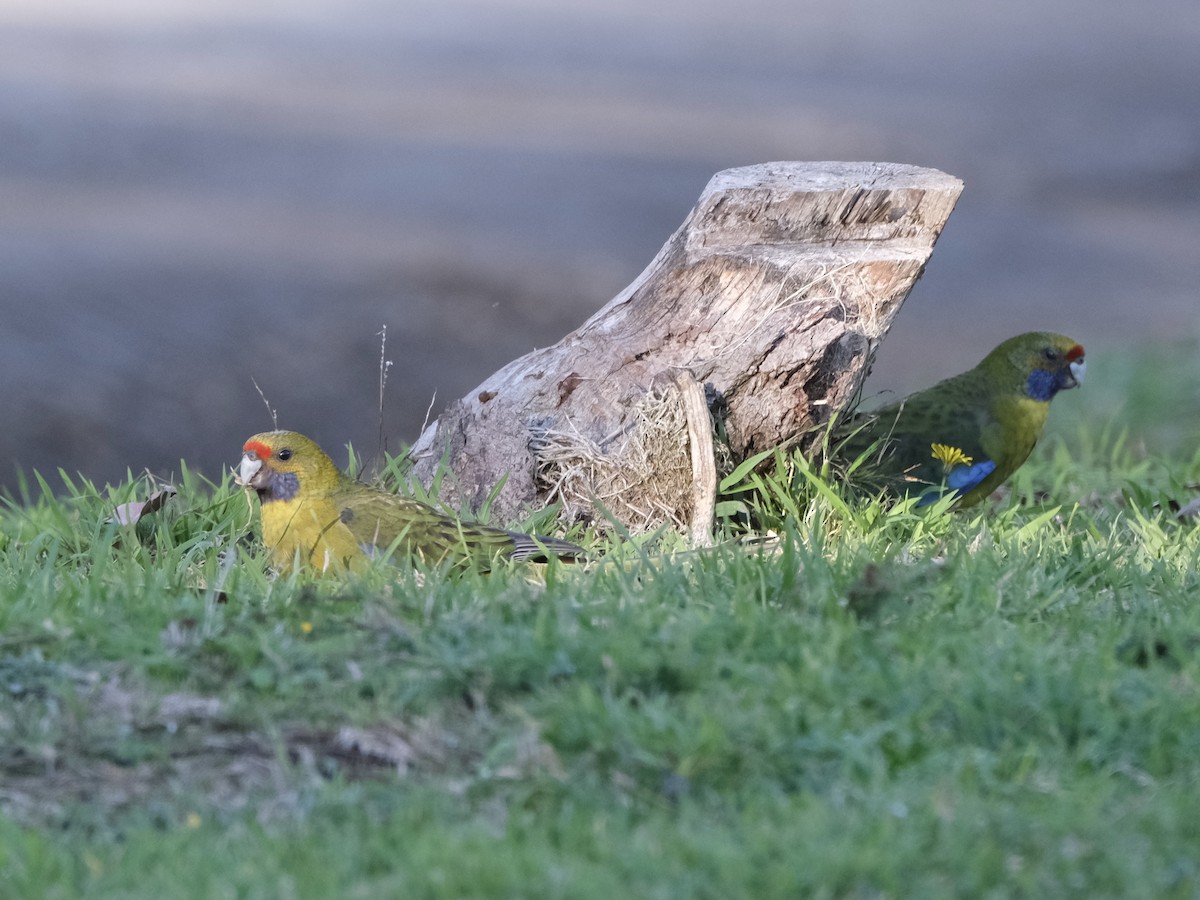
1078, 369
1077, 366
250, 467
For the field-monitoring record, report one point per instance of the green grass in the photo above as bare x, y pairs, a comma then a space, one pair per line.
1000, 702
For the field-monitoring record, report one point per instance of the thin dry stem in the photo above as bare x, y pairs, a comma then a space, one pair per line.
274, 417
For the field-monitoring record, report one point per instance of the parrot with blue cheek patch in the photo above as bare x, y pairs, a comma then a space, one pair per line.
317, 517
968, 434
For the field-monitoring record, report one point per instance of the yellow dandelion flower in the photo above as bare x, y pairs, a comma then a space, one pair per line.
949, 456
306, 627
193, 820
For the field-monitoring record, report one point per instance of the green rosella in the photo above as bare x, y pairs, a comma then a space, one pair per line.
966, 434
317, 517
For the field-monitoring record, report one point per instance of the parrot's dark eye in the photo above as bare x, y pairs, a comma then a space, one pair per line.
285, 454
1050, 354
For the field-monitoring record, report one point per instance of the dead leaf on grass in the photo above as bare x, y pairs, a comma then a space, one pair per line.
1190, 511
132, 513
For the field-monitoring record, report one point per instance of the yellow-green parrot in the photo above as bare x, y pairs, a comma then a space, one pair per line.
316, 516
968, 434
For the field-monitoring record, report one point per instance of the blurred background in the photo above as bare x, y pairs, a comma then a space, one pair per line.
197, 195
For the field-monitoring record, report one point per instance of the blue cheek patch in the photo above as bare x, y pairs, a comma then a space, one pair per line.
962, 480
1043, 385
282, 486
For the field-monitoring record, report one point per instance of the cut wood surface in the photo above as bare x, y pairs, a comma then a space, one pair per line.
773, 295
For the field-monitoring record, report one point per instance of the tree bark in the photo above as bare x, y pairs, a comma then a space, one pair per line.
773, 294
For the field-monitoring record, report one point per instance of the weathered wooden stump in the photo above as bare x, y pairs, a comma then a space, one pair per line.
772, 296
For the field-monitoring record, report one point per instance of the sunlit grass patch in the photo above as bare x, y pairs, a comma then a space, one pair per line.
843, 697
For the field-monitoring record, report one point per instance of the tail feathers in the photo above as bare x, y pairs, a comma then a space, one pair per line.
536, 548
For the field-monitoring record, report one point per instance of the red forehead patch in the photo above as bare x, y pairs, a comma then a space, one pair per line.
1075, 352
258, 448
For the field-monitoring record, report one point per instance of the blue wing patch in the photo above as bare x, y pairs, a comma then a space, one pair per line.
962, 480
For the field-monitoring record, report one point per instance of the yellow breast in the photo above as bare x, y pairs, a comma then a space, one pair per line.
309, 531
1020, 421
